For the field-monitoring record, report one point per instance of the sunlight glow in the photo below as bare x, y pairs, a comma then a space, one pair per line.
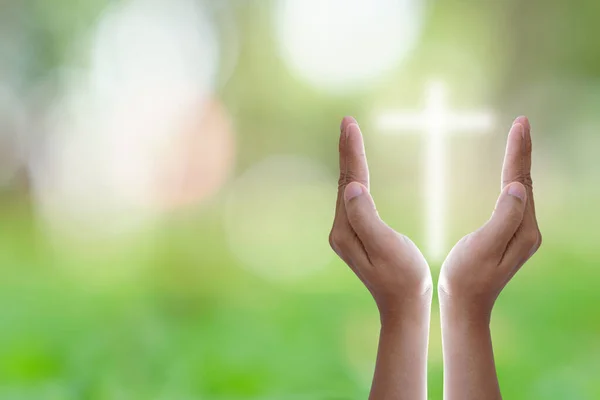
437, 122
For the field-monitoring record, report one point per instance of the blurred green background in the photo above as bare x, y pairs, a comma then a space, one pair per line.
168, 179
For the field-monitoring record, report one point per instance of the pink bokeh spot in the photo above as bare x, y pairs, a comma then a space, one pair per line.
199, 158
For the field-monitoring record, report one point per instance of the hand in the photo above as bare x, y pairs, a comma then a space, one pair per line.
388, 263
393, 270
476, 271
482, 263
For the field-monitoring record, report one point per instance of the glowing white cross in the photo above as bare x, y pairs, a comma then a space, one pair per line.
437, 122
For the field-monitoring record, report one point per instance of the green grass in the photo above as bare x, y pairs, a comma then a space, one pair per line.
191, 324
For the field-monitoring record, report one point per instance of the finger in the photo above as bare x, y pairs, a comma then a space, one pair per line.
342, 238
347, 121
524, 121
340, 215
517, 167
520, 249
517, 158
353, 167
527, 239
530, 214
357, 169
350, 249
497, 233
347, 245
364, 219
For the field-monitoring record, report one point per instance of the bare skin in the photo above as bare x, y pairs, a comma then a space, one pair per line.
393, 270
478, 269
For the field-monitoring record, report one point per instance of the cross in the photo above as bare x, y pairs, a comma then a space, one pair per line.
437, 122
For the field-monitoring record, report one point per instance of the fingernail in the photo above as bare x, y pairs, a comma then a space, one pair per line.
519, 119
346, 121
353, 190
517, 190
353, 127
520, 128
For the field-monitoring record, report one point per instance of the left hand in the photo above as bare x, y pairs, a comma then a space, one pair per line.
483, 262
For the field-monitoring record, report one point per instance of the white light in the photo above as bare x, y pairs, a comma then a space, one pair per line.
337, 44
278, 216
437, 122
170, 45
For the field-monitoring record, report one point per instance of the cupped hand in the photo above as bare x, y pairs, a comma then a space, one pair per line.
483, 262
388, 263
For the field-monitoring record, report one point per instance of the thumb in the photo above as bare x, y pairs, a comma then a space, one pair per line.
362, 215
507, 217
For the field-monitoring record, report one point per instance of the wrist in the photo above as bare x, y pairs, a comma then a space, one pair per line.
464, 311
408, 311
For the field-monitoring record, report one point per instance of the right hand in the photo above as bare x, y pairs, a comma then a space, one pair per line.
388, 263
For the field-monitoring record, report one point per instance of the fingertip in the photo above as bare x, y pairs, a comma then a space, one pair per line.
523, 120
357, 168
347, 121
356, 144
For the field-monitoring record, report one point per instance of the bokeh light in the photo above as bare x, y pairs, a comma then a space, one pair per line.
141, 113
341, 44
198, 160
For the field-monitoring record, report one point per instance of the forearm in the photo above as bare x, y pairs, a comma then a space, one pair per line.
469, 368
401, 370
